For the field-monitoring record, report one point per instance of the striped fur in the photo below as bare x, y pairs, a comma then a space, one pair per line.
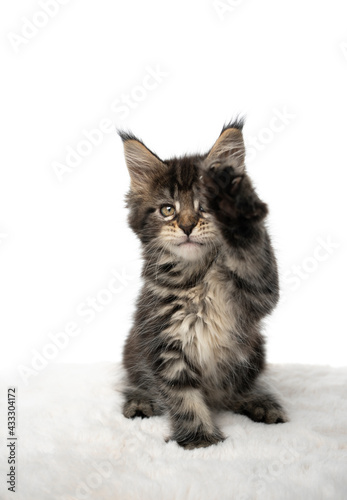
210, 276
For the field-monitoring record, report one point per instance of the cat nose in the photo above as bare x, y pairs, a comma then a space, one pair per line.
187, 229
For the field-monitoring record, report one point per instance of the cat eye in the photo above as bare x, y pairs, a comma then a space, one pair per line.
201, 209
167, 210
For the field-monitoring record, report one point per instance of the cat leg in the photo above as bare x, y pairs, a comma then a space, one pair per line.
247, 394
180, 385
259, 405
191, 420
249, 256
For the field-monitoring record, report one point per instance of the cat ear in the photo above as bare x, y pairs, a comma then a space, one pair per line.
143, 165
229, 148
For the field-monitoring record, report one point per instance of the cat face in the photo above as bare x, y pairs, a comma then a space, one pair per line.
184, 228
166, 206
187, 230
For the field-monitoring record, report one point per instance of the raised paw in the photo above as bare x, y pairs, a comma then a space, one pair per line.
230, 195
138, 408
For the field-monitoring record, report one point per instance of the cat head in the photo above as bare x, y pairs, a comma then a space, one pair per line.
165, 202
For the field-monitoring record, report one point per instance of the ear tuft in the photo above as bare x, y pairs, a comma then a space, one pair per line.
237, 123
126, 136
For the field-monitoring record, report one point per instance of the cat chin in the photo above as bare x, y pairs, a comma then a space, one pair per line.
189, 251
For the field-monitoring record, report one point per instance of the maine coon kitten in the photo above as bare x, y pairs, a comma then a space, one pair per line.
210, 276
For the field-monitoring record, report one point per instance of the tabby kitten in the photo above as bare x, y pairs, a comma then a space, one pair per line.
210, 276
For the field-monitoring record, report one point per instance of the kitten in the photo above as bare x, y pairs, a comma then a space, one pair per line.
210, 276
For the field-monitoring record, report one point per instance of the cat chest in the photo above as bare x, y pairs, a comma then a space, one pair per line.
206, 323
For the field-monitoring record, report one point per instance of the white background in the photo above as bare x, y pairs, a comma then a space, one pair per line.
61, 239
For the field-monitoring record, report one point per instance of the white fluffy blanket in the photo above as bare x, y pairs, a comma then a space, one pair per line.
74, 443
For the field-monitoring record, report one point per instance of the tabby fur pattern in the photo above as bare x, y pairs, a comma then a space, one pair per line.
210, 277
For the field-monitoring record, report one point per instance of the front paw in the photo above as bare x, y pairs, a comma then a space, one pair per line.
199, 439
230, 196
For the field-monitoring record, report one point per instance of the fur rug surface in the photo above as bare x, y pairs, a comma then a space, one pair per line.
74, 443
